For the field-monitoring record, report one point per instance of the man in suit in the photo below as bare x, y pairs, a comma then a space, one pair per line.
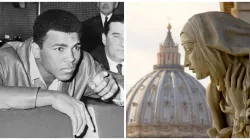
92, 28
111, 56
50, 70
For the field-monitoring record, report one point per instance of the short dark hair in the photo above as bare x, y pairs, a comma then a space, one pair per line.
55, 19
115, 18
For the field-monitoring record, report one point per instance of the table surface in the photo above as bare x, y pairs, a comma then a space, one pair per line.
43, 122
109, 119
46, 122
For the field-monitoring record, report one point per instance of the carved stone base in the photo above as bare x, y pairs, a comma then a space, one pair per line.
168, 131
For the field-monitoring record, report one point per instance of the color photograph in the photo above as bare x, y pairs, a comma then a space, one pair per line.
187, 69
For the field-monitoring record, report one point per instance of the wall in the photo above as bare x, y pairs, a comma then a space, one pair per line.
83, 10
241, 10
19, 22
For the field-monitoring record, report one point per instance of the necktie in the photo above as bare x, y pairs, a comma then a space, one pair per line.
105, 22
119, 68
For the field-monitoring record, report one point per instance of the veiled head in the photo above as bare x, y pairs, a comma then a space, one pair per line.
207, 36
194, 58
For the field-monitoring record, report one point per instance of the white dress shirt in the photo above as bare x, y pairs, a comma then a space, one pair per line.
103, 17
113, 64
112, 67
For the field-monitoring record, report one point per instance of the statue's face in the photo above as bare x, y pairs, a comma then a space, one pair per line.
194, 58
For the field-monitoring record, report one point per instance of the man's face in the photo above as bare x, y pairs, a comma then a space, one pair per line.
114, 41
60, 54
107, 7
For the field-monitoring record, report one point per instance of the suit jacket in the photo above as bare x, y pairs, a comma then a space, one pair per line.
100, 56
92, 30
15, 77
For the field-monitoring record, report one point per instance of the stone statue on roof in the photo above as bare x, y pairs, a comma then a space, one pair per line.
218, 45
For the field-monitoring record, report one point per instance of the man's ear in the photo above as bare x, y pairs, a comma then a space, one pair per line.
104, 39
36, 50
116, 4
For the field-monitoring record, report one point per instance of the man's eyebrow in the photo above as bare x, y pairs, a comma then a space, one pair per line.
65, 45
77, 44
62, 44
115, 33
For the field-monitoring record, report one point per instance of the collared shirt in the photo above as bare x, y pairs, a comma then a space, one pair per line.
113, 64
112, 67
35, 74
103, 17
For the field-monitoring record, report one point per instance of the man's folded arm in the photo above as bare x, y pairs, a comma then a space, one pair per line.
23, 97
18, 97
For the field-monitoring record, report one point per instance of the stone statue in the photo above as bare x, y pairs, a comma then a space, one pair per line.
218, 45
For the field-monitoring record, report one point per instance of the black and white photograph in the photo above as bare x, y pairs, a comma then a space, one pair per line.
62, 70
126, 69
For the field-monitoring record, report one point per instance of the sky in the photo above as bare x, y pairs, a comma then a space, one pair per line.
146, 28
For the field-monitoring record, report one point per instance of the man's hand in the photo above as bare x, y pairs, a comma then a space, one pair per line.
118, 78
74, 109
104, 84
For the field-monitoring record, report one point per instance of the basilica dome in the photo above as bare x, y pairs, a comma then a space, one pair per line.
167, 102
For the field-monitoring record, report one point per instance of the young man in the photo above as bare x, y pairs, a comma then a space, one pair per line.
93, 28
49, 69
111, 56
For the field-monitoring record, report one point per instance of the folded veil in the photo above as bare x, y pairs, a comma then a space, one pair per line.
222, 32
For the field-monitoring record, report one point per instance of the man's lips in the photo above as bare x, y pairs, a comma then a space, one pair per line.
105, 7
69, 69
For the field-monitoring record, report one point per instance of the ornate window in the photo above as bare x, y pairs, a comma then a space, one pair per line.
181, 87
200, 106
153, 89
202, 121
171, 117
142, 87
185, 106
167, 86
134, 104
166, 103
149, 103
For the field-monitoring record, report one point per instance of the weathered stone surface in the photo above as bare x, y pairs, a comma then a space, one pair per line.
218, 45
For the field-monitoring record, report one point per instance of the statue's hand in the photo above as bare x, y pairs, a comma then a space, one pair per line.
234, 89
